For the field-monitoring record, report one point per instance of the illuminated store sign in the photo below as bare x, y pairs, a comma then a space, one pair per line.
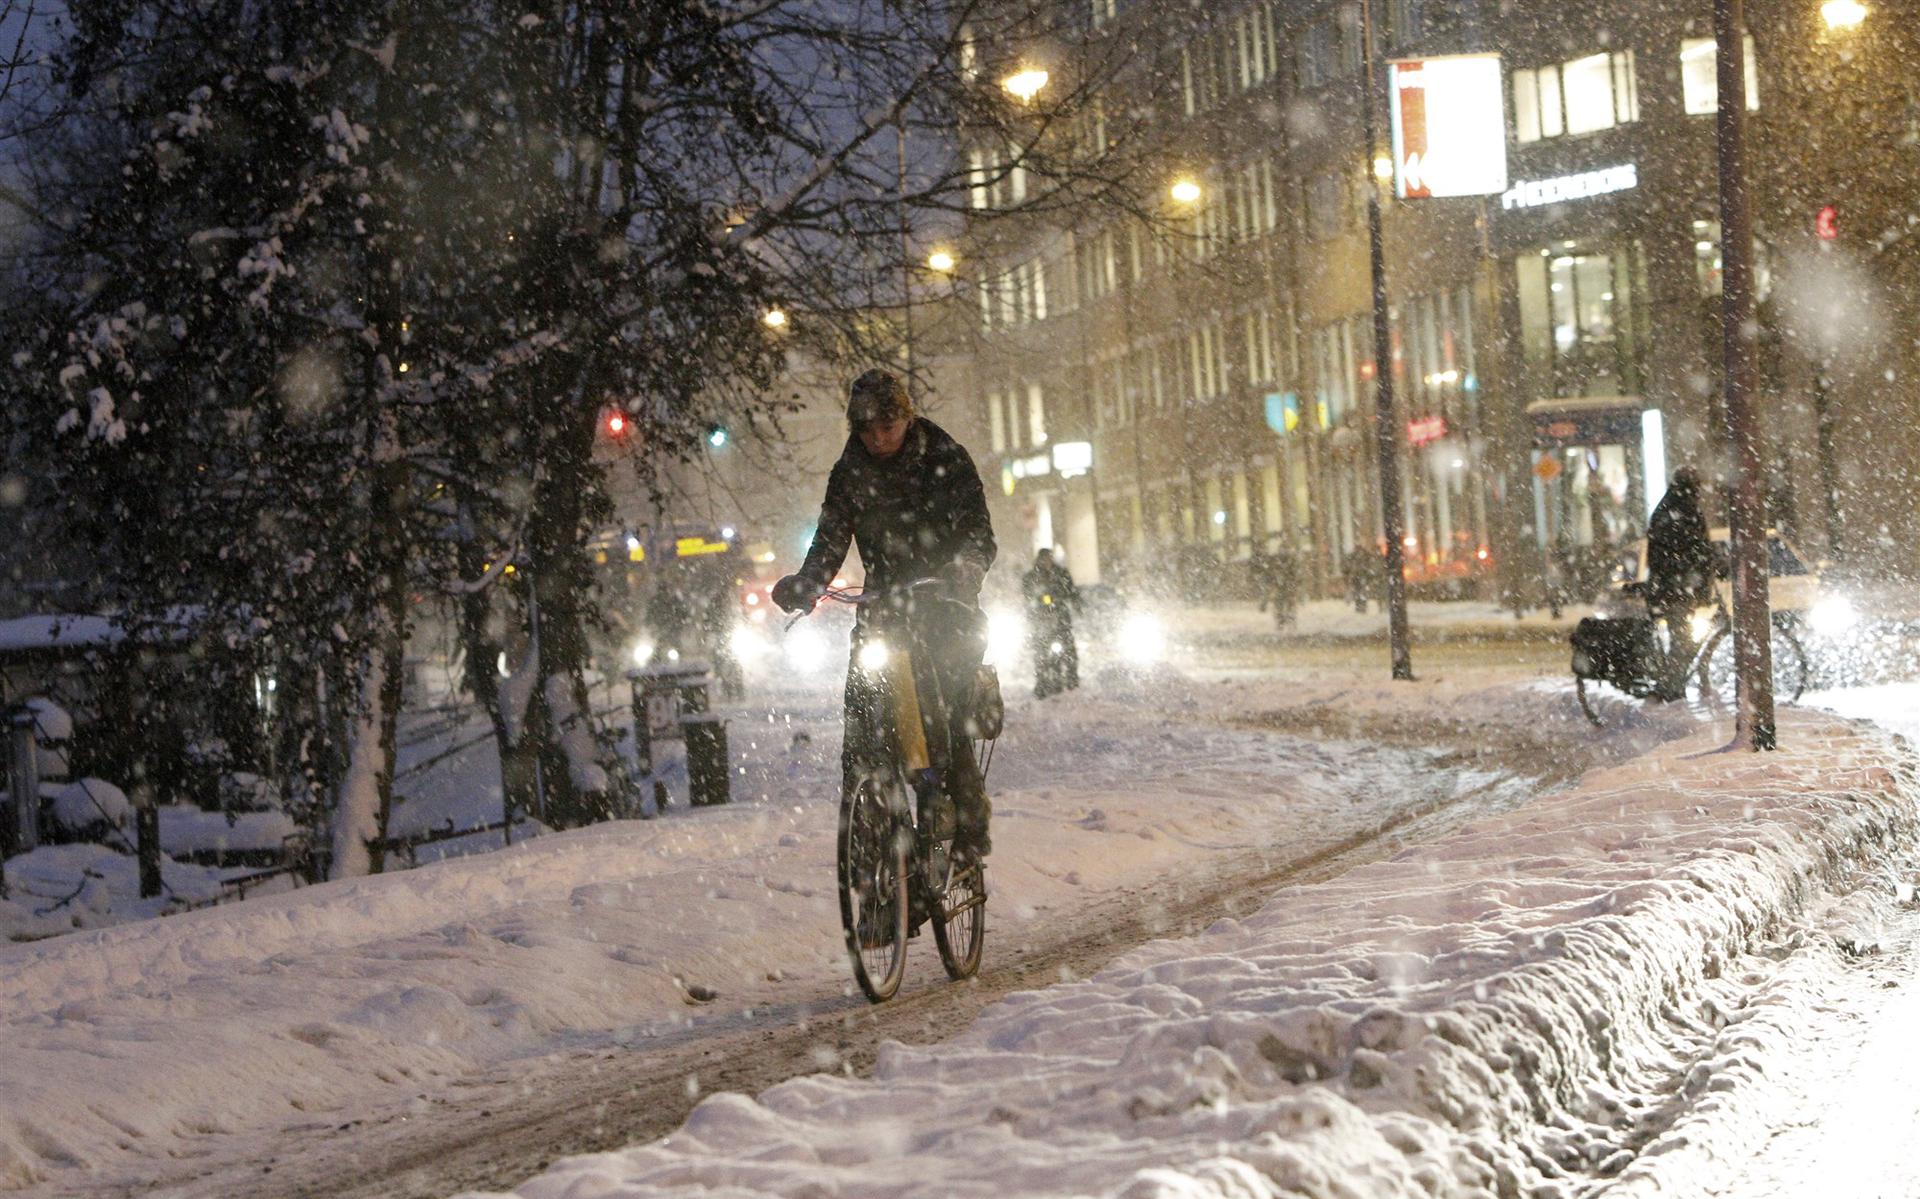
1533, 193
1449, 120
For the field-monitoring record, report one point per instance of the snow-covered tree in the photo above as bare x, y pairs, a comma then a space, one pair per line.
332, 329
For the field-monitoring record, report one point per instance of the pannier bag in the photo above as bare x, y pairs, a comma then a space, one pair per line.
989, 710
1615, 649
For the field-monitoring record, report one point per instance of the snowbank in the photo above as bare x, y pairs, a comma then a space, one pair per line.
1518, 1008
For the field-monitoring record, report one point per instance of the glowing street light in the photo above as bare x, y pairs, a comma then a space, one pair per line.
1383, 169
1843, 14
940, 261
775, 318
1025, 84
1185, 191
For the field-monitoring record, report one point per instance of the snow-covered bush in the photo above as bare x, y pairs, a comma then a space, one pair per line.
90, 809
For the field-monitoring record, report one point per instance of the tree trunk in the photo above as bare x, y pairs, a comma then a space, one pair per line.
483, 651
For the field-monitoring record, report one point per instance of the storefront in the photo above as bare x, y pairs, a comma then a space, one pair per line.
1596, 461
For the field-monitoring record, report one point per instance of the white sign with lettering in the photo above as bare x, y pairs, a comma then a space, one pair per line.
1533, 193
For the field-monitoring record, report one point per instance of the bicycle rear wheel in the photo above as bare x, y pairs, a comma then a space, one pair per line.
873, 874
1789, 666
960, 931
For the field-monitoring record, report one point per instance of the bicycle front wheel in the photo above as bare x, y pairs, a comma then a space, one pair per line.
873, 874
1716, 674
960, 932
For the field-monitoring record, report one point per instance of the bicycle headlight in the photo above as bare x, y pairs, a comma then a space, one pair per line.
1005, 633
747, 645
806, 649
874, 655
1701, 624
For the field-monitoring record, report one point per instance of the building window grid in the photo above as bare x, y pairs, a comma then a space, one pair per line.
1582, 95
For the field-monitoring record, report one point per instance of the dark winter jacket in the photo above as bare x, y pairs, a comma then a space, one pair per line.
1050, 593
921, 513
1680, 565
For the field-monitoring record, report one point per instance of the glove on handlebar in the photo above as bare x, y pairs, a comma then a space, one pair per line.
796, 593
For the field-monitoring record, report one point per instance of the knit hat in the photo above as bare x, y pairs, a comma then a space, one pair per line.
878, 395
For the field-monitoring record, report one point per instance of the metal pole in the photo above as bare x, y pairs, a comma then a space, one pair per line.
1829, 471
1386, 423
1752, 637
906, 239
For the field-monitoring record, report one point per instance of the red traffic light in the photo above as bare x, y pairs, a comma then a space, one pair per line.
616, 423
1826, 226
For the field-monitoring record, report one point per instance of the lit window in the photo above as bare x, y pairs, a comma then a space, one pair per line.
1589, 91
1699, 81
1526, 107
1583, 96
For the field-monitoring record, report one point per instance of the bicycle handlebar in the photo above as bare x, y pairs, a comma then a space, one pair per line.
860, 596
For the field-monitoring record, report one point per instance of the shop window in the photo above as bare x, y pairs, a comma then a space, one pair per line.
1036, 415
1699, 78
997, 421
1707, 262
1577, 318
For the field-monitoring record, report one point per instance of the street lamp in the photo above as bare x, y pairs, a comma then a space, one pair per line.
774, 318
1023, 85
1185, 191
940, 261
1843, 15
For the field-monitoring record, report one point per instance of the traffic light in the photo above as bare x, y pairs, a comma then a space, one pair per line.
717, 436
1826, 225
616, 423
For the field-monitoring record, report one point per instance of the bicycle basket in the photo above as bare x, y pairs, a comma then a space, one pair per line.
989, 709
1615, 650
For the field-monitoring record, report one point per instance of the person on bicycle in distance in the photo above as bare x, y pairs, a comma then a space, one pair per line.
1680, 572
910, 497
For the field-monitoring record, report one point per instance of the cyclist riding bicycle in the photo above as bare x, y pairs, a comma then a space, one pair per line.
910, 497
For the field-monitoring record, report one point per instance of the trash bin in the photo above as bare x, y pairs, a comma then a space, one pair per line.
708, 766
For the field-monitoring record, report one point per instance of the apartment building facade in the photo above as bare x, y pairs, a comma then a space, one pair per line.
1192, 389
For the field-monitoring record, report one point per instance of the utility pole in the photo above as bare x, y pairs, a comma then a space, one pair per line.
1386, 421
1752, 624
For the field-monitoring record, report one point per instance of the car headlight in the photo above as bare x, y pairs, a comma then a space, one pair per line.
1701, 623
642, 652
747, 644
873, 656
1143, 639
1833, 616
1006, 631
806, 649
